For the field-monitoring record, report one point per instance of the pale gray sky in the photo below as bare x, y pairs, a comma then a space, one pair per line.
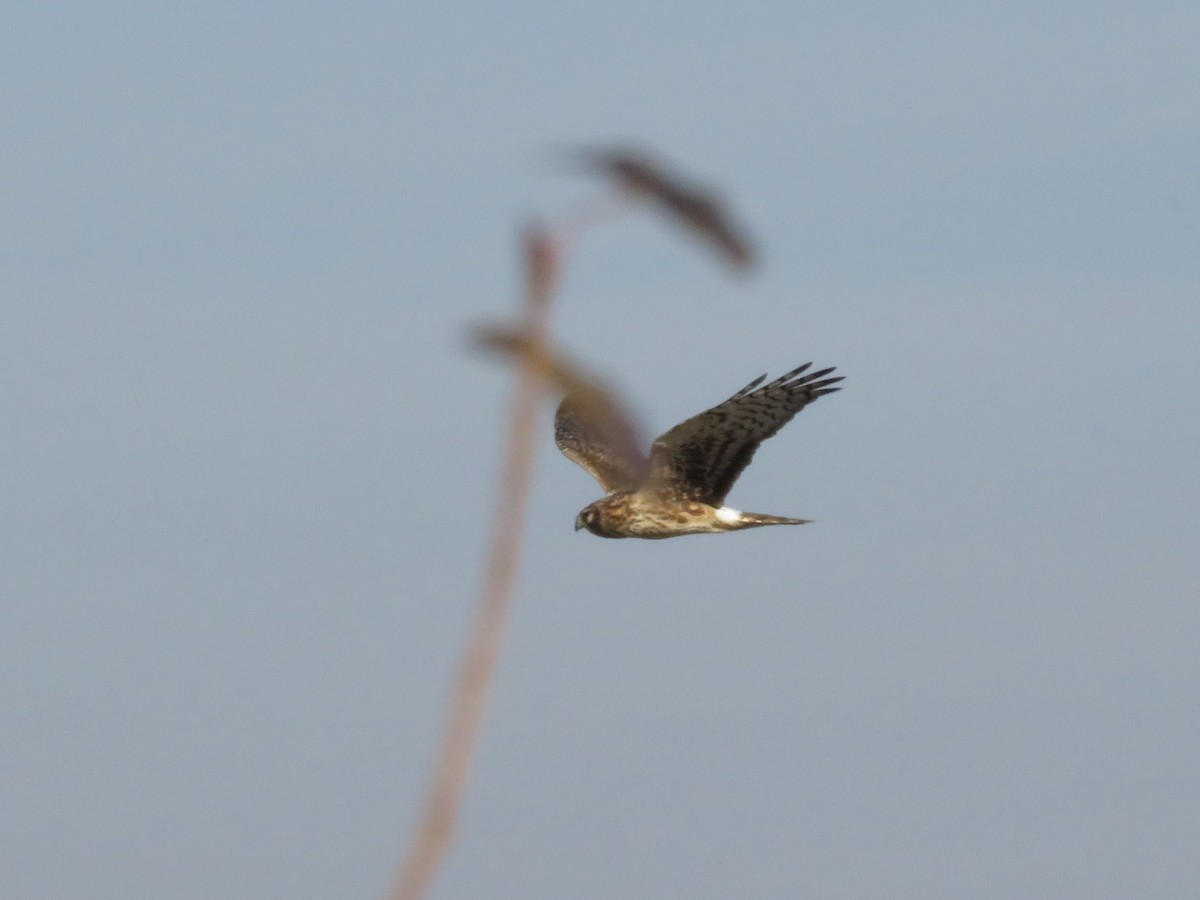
248, 464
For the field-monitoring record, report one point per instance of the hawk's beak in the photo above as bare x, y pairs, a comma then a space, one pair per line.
578, 522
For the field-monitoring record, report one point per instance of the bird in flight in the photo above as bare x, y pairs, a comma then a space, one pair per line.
680, 488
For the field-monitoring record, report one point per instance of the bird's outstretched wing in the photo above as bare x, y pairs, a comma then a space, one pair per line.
701, 458
593, 432
591, 426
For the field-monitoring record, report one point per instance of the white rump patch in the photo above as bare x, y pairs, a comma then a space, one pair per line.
728, 515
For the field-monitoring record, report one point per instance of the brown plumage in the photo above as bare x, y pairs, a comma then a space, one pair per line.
680, 488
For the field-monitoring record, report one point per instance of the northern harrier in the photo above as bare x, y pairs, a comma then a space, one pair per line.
681, 487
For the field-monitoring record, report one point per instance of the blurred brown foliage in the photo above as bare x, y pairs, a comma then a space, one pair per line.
591, 405
698, 208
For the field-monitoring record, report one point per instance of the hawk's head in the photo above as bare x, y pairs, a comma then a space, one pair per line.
607, 517
589, 518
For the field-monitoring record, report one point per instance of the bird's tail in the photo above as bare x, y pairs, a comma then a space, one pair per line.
754, 520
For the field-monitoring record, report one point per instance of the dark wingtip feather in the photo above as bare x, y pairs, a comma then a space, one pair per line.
796, 371
822, 373
751, 386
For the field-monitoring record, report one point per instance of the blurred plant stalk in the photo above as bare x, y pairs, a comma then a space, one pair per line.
635, 175
487, 630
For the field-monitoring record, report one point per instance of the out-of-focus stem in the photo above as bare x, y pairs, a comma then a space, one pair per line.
487, 631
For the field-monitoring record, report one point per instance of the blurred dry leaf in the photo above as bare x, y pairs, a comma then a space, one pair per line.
465, 714
697, 207
515, 343
590, 415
